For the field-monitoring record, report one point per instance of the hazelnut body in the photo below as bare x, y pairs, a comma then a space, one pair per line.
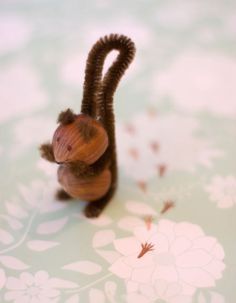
89, 188
84, 139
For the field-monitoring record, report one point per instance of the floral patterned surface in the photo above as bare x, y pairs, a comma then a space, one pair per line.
168, 234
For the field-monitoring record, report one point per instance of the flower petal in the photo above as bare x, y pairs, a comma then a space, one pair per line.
142, 275
148, 291
193, 258
173, 289
127, 246
121, 269
204, 242
135, 262
218, 251
131, 286
179, 245
12, 295
167, 273
15, 284
160, 242
226, 202
161, 287
187, 289
189, 230
41, 277
196, 277
27, 278
143, 234
166, 227
215, 268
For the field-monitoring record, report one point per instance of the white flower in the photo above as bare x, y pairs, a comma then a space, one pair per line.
200, 81
222, 190
151, 142
27, 94
168, 260
35, 289
14, 32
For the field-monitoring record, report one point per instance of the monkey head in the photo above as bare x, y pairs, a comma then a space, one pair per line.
78, 138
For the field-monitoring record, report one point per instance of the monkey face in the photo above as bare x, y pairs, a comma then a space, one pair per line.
79, 138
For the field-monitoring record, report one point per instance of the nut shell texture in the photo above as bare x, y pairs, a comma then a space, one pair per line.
85, 139
88, 189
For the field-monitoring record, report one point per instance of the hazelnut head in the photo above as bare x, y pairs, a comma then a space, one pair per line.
84, 139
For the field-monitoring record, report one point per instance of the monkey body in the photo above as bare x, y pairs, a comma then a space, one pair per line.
84, 145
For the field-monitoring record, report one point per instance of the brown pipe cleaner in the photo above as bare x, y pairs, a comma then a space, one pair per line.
98, 96
97, 102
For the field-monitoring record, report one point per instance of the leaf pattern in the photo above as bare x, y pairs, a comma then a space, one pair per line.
15, 210
51, 227
103, 238
85, 267
13, 263
2, 278
38, 245
5, 237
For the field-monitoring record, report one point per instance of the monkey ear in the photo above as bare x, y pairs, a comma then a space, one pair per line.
87, 130
66, 117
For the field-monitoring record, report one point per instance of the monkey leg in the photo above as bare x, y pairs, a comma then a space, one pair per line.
94, 208
62, 195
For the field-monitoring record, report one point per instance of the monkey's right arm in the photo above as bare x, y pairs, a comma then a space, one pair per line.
46, 152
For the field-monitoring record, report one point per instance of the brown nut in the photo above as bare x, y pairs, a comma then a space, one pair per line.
84, 139
89, 188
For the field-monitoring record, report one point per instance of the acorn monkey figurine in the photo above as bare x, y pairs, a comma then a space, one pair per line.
84, 144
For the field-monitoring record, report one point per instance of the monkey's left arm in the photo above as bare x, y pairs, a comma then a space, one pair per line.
81, 169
